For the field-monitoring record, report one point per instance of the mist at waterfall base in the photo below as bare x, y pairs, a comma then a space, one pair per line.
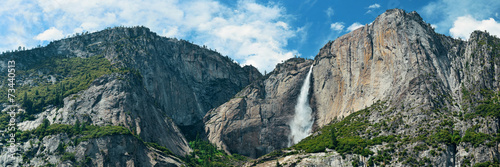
301, 124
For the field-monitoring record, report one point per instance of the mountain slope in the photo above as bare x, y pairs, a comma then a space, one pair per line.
127, 78
419, 98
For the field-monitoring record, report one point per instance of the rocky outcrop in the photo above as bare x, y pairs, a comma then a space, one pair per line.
116, 150
115, 100
255, 121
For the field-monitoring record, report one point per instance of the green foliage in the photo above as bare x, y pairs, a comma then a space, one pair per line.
85, 132
443, 136
60, 148
487, 164
344, 136
68, 157
420, 147
205, 154
489, 106
475, 138
72, 75
159, 147
355, 162
488, 109
383, 157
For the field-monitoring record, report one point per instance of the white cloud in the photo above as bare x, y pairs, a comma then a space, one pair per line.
374, 6
50, 34
329, 12
354, 26
249, 32
252, 34
337, 26
443, 13
465, 25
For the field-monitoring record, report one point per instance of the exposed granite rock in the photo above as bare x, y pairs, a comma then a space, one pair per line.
171, 83
256, 120
386, 59
400, 59
423, 79
184, 79
116, 100
310, 160
116, 150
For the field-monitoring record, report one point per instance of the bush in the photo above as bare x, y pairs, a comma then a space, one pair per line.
68, 156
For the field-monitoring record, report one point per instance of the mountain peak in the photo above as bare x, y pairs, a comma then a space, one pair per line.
400, 13
400, 17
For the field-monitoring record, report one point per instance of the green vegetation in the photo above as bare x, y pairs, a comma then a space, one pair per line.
206, 154
84, 131
488, 164
159, 147
475, 138
68, 156
71, 74
344, 136
355, 135
383, 157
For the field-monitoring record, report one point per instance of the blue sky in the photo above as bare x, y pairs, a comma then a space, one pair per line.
257, 32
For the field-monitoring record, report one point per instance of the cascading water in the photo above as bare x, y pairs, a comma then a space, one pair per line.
301, 124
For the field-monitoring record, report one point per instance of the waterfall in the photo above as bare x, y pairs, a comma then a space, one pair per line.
301, 124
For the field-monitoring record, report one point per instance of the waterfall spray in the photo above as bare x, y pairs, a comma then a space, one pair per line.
301, 124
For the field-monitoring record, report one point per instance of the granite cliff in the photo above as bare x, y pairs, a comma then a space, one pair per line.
130, 83
392, 92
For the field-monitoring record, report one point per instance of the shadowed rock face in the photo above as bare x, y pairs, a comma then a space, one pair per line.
256, 120
421, 76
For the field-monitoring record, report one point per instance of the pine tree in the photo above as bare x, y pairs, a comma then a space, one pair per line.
76, 127
334, 139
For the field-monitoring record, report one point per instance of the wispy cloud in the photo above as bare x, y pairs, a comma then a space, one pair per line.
337, 26
249, 32
465, 25
354, 26
374, 6
329, 12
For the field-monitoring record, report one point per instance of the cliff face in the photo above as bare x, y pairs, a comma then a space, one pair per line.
418, 79
152, 86
393, 92
184, 79
387, 59
255, 121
